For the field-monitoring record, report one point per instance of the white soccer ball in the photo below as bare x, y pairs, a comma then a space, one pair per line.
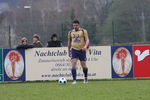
62, 80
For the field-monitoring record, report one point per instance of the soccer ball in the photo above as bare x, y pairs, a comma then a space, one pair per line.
62, 80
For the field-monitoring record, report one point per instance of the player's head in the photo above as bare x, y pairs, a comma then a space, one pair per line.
24, 41
76, 25
36, 38
54, 37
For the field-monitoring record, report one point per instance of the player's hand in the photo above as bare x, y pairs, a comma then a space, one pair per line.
69, 53
84, 48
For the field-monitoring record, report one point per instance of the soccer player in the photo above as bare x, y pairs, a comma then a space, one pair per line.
78, 43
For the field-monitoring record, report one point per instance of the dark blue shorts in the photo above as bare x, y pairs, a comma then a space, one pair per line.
78, 54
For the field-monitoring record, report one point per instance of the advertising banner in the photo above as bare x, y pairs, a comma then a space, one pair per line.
122, 64
14, 65
52, 63
1, 64
141, 61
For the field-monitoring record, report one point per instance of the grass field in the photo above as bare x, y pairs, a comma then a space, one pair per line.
94, 90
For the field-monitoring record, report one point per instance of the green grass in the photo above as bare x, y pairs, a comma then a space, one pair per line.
94, 90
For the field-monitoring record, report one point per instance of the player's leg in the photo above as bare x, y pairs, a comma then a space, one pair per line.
74, 59
85, 71
82, 59
73, 70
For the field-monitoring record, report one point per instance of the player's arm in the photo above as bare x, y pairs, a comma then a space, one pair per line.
69, 43
86, 40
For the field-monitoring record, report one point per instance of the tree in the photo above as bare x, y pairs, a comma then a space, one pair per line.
129, 19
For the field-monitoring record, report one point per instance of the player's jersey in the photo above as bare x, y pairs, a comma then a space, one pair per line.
77, 38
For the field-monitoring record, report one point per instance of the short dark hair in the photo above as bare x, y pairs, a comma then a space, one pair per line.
53, 35
76, 22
